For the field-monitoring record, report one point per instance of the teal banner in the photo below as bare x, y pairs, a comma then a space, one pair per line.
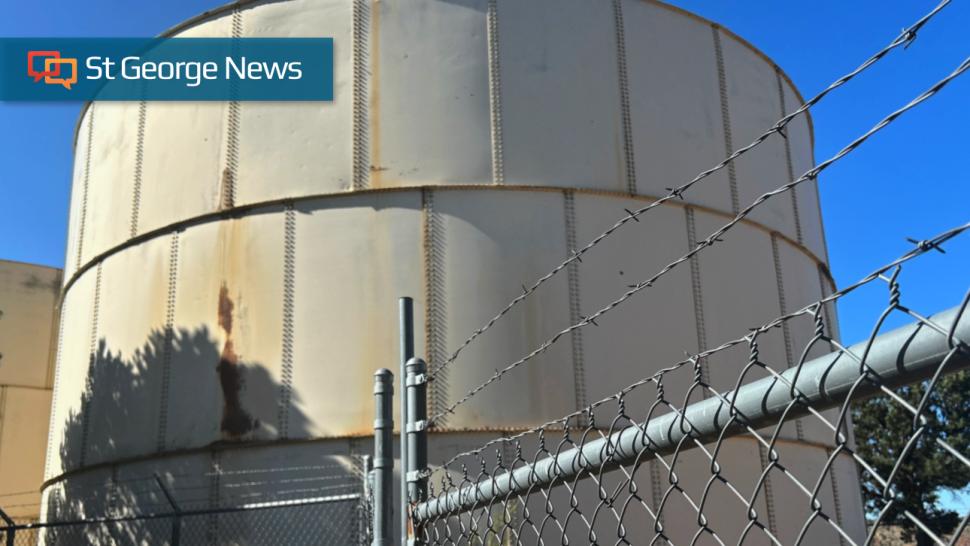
166, 69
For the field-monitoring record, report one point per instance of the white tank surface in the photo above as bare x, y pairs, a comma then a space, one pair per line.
28, 319
233, 269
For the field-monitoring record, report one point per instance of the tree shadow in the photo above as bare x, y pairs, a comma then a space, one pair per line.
180, 391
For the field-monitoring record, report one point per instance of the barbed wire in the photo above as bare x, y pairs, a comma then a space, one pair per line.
920, 248
714, 237
904, 38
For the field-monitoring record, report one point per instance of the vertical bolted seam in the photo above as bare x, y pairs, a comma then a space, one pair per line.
88, 396
3, 407
167, 349
434, 292
139, 166
835, 498
230, 171
726, 117
788, 163
769, 498
783, 310
495, 91
698, 296
84, 189
361, 94
289, 297
58, 364
215, 485
656, 492
624, 86
575, 302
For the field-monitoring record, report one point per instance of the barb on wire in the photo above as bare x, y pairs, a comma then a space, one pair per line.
904, 38
714, 237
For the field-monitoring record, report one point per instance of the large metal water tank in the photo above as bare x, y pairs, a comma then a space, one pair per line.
233, 268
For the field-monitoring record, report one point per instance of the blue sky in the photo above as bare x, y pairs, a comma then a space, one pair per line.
910, 181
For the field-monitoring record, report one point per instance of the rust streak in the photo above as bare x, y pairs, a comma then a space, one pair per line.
236, 421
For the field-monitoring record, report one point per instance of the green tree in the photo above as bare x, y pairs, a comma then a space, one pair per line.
882, 429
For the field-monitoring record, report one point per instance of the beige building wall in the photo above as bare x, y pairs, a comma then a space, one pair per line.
28, 319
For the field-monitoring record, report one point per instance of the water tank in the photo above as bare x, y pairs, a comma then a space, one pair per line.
233, 269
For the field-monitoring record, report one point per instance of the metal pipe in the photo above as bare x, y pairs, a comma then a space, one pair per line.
177, 513
406, 329
417, 425
900, 357
383, 456
10, 532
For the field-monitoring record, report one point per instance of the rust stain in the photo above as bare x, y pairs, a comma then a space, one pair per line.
236, 421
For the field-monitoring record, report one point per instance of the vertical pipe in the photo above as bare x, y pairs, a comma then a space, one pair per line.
176, 512
10, 532
406, 328
383, 456
417, 424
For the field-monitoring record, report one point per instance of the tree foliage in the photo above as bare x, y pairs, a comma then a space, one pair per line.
883, 427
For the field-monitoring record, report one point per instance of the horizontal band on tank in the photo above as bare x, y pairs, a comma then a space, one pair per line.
254, 208
226, 9
248, 445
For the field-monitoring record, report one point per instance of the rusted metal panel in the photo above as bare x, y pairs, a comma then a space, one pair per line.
354, 258
675, 103
437, 89
316, 156
486, 242
613, 351
560, 98
70, 383
113, 176
131, 356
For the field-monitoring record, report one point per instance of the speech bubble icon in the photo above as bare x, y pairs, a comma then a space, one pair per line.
66, 82
32, 55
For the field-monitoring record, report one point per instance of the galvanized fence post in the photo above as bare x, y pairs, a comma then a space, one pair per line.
383, 456
176, 512
11, 530
406, 328
417, 432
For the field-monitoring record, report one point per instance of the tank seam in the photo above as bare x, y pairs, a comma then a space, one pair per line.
360, 94
766, 486
434, 247
230, 171
575, 305
796, 216
835, 497
726, 117
87, 397
655, 493
139, 166
624, 87
54, 391
785, 326
215, 479
495, 92
167, 348
289, 296
84, 190
697, 293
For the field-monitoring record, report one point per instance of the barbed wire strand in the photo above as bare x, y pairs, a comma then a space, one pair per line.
714, 237
904, 38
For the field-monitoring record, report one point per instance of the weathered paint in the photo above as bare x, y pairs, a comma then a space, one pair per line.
282, 280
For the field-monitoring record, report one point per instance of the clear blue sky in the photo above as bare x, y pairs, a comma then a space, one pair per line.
910, 181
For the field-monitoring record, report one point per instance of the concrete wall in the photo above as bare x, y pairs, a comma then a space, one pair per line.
28, 319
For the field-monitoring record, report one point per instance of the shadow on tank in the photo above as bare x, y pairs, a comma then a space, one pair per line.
170, 395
